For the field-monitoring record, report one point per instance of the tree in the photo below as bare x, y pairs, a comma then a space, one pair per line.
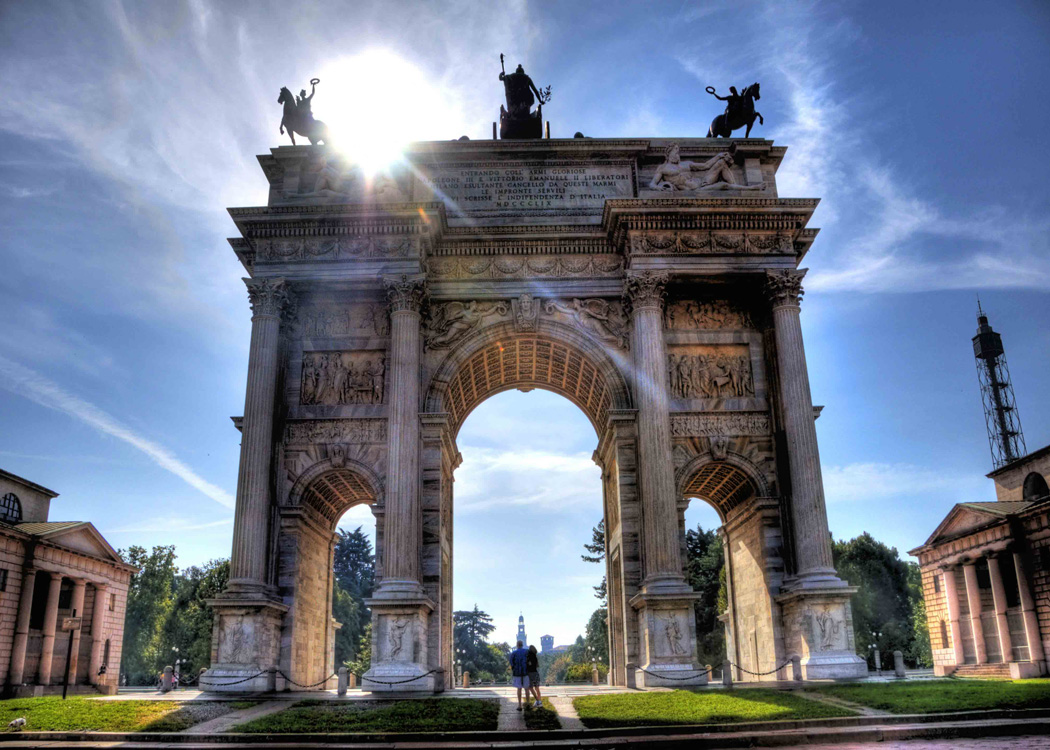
149, 603
705, 563
584, 672
470, 632
363, 662
921, 652
354, 617
354, 563
596, 554
190, 620
556, 671
884, 605
596, 635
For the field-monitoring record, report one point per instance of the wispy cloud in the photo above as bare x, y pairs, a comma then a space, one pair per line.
542, 480
32, 385
860, 482
17, 191
172, 524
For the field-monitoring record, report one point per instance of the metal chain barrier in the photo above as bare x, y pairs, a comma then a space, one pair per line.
235, 682
396, 682
312, 685
690, 677
761, 674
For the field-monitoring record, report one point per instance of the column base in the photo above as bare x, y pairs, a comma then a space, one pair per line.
246, 644
400, 657
818, 626
667, 636
1021, 670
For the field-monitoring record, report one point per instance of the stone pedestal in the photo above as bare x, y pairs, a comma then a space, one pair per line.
819, 627
400, 655
667, 641
245, 645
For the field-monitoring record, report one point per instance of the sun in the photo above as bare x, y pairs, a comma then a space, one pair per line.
376, 102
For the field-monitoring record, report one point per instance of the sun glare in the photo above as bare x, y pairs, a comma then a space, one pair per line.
376, 102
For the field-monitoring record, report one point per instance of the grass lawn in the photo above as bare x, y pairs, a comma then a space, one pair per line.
87, 714
701, 707
432, 715
542, 718
934, 696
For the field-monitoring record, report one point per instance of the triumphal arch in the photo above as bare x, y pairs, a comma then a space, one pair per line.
652, 282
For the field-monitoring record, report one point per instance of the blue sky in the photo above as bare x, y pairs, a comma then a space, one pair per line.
128, 128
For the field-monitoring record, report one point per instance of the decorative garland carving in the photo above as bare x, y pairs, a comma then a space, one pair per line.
524, 267
336, 248
785, 287
711, 424
697, 243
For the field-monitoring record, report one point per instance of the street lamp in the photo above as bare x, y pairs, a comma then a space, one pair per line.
175, 650
874, 646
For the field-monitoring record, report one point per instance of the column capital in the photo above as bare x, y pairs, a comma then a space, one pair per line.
784, 288
269, 297
645, 290
405, 293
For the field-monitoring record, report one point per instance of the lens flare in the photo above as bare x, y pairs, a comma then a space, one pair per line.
376, 102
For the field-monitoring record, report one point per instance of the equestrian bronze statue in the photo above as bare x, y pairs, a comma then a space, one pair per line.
299, 117
740, 111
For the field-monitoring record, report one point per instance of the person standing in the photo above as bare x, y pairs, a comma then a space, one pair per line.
532, 669
519, 670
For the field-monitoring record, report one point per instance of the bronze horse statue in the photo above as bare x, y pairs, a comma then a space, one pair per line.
298, 118
739, 112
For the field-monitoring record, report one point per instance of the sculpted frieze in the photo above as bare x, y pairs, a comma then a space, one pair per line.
334, 248
699, 243
336, 378
524, 267
336, 431
717, 425
345, 320
711, 372
708, 315
450, 321
601, 318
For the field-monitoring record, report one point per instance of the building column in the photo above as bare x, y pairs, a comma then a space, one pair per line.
999, 600
951, 594
16, 672
47, 644
401, 610
661, 559
1031, 621
973, 601
246, 634
809, 518
401, 572
98, 638
77, 608
814, 600
251, 525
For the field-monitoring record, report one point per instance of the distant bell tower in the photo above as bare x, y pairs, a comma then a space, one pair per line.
1000, 409
521, 631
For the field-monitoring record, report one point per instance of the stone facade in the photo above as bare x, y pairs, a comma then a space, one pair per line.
48, 570
670, 316
986, 577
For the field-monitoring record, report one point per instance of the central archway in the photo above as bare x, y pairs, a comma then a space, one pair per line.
559, 359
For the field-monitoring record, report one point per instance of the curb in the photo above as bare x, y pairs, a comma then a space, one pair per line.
1010, 722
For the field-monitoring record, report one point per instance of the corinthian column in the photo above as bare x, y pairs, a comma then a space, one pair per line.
248, 565
402, 537
661, 560
808, 515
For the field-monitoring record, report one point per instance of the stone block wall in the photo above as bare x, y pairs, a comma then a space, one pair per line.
756, 642
12, 553
937, 613
1037, 531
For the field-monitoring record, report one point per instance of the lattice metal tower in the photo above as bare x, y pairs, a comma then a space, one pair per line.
1000, 409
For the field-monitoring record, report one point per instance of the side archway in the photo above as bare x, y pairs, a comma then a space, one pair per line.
752, 542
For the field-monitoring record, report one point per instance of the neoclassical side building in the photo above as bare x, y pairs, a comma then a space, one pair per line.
654, 283
50, 570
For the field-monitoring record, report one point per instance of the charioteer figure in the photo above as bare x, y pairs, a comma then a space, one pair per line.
516, 120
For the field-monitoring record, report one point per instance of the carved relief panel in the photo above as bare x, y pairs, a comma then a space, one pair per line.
710, 372
335, 378
706, 315
342, 320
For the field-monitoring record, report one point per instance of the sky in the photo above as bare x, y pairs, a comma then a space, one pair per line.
128, 128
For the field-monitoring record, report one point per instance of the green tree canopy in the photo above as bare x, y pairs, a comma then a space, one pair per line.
150, 601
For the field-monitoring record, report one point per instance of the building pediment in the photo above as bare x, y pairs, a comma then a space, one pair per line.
962, 519
80, 537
